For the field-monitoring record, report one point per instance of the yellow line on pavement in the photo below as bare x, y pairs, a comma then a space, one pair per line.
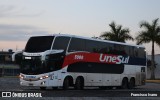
154, 81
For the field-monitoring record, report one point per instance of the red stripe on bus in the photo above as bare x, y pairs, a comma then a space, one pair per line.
87, 57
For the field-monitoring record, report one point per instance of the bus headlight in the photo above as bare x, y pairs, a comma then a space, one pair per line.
43, 77
21, 76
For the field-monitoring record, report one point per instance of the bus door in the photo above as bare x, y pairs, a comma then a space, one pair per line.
53, 67
53, 79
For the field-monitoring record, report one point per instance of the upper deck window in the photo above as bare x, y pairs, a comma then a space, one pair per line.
61, 43
77, 44
39, 44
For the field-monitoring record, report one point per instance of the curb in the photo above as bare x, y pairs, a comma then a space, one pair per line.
153, 81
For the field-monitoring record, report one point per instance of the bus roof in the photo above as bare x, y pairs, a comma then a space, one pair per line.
88, 38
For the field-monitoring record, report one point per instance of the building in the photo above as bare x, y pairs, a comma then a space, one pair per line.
157, 69
6, 56
7, 67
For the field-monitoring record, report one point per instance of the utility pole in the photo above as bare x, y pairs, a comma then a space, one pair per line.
16, 47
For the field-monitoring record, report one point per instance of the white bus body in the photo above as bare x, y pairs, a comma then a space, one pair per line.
68, 60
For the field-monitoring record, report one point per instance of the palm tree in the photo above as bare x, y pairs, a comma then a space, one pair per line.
117, 33
151, 33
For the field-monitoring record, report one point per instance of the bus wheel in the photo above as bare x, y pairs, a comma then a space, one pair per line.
124, 83
66, 84
79, 85
131, 84
43, 88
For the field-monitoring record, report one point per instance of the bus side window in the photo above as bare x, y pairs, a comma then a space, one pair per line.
117, 49
54, 61
131, 51
103, 47
141, 53
127, 51
135, 51
77, 44
61, 43
122, 50
110, 48
92, 46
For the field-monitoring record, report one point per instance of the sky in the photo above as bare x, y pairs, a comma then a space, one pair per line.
21, 19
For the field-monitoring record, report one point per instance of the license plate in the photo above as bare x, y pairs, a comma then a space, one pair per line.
30, 84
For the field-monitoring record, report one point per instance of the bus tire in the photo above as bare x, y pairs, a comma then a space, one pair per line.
79, 84
43, 88
66, 84
131, 83
124, 84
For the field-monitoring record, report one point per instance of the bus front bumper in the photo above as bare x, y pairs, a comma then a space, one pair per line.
41, 83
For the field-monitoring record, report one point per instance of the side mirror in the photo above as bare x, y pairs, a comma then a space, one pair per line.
17, 57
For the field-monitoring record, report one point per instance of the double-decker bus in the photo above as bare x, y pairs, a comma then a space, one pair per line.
67, 61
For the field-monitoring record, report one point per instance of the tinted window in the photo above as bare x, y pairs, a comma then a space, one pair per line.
39, 44
135, 52
77, 44
142, 53
89, 67
54, 61
103, 48
92, 46
122, 50
129, 51
61, 43
117, 49
110, 48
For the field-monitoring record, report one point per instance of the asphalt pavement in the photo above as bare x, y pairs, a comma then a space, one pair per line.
149, 91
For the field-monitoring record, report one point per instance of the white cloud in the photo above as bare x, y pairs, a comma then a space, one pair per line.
19, 32
13, 11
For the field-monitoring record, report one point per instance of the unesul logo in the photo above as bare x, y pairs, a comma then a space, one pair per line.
113, 59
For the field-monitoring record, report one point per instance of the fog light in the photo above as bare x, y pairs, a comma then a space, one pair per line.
43, 77
42, 83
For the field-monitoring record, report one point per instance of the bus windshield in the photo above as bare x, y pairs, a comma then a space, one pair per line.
39, 44
34, 65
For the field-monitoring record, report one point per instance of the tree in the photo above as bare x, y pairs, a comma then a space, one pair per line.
149, 64
151, 33
117, 33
